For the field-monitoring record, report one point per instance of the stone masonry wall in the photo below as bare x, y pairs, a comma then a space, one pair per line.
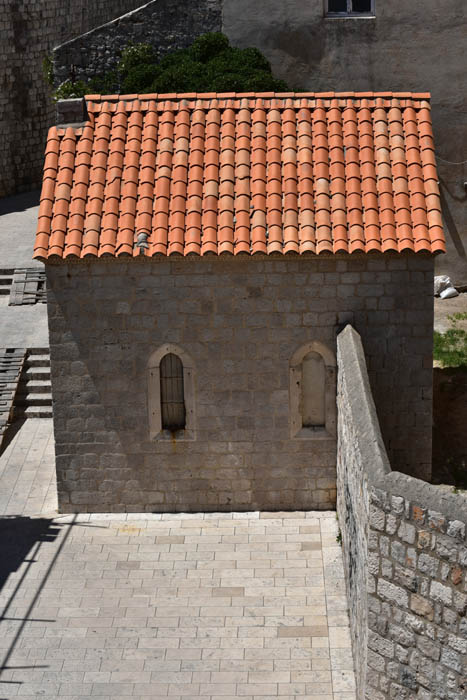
405, 555
29, 30
165, 24
240, 320
407, 46
32, 28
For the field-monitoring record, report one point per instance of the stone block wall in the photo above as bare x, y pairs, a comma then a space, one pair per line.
240, 320
405, 555
407, 46
165, 24
30, 29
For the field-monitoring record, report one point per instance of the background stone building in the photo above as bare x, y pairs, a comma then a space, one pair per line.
237, 235
29, 30
406, 46
417, 45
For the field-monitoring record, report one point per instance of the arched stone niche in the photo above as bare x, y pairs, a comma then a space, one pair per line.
312, 392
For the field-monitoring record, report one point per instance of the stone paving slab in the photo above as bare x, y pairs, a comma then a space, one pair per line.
203, 605
27, 469
23, 326
18, 224
219, 606
20, 326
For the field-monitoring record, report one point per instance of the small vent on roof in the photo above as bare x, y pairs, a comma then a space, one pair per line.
142, 242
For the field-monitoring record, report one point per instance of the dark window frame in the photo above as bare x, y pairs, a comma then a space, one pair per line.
172, 392
350, 12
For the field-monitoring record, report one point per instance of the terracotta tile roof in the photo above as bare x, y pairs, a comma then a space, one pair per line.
251, 173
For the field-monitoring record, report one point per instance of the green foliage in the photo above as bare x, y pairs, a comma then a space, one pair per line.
134, 55
68, 89
210, 64
48, 70
102, 84
207, 46
450, 348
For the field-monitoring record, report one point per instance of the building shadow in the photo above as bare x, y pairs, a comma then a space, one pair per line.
19, 535
19, 202
20, 541
12, 429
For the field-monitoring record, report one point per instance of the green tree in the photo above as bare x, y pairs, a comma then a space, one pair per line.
210, 64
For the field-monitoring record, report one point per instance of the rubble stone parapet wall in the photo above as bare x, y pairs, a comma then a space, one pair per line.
405, 555
31, 29
165, 24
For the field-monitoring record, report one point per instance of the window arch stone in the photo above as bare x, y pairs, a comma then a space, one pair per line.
313, 368
156, 430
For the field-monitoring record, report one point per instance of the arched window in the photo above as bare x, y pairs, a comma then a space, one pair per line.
313, 391
172, 394
313, 394
171, 401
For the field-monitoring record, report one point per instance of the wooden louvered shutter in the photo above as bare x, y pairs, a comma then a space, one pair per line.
172, 394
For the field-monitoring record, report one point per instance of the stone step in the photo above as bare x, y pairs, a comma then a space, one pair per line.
33, 412
34, 399
39, 351
36, 373
38, 360
33, 386
5, 283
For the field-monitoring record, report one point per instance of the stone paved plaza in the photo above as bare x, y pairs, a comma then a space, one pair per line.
27, 472
244, 605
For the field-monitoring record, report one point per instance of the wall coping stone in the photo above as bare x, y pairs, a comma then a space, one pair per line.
114, 22
370, 441
72, 111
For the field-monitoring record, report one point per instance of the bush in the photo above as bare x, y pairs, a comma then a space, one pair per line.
135, 55
450, 348
210, 64
68, 89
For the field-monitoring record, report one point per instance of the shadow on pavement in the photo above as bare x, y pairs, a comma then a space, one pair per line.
19, 202
12, 429
20, 541
18, 536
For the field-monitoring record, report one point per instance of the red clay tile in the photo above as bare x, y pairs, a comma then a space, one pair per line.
243, 174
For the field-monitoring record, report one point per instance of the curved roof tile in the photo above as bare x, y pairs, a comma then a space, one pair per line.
242, 174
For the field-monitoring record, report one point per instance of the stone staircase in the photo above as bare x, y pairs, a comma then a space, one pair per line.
6, 280
28, 287
34, 394
11, 366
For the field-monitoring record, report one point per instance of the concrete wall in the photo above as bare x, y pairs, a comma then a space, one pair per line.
405, 557
240, 321
413, 45
29, 30
165, 24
